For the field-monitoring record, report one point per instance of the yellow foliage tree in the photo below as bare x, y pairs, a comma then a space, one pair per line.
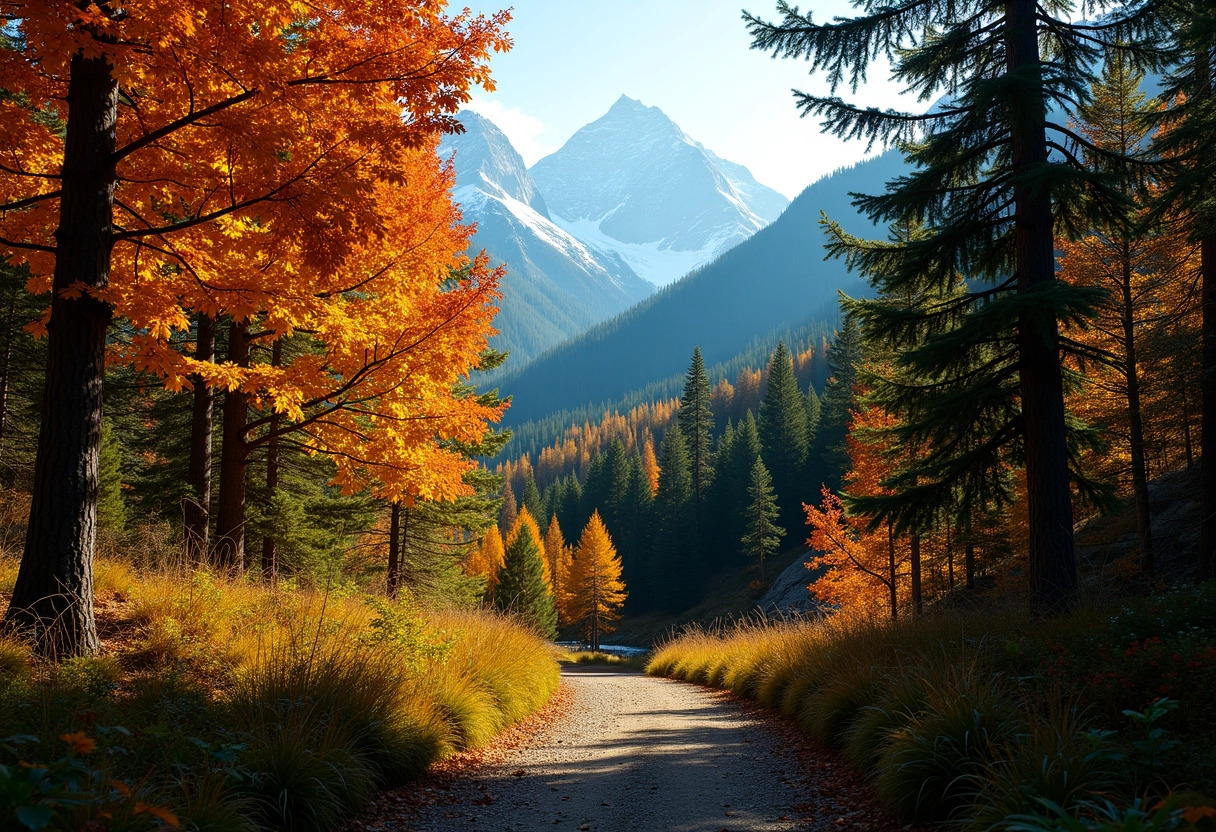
596, 589
560, 559
487, 559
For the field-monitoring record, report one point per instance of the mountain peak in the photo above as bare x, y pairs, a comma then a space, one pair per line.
633, 182
486, 159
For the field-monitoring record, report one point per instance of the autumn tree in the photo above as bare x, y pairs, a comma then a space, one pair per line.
762, 536
486, 560
1134, 262
1189, 145
596, 590
994, 171
559, 558
230, 149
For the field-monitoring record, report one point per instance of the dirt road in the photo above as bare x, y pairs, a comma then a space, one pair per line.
633, 754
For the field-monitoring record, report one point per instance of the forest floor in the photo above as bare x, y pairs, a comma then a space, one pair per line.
616, 750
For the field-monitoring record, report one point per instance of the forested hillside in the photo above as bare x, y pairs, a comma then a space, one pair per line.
775, 281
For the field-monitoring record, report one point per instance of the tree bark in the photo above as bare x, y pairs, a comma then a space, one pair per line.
1054, 582
1207, 423
52, 600
891, 567
969, 554
393, 576
230, 524
270, 549
9, 321
197, 509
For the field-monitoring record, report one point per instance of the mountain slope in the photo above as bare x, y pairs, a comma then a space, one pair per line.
556, 286
632, 182
775, 280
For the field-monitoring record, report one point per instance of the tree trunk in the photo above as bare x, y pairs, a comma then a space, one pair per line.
891, 567
949, 558
52, 600
917, 601
393, 576
1054, 582
197, 509
270, 553
4, 371
1144, 524
969, 554
1207, 424
230, 524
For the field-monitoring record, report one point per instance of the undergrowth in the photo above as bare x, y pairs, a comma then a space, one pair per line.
229, 705
1098, 720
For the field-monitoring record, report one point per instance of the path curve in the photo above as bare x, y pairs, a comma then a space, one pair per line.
631, 753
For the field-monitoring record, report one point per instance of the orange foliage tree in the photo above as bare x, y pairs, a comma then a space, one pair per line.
486, 560
597, 592
861, 568
560, 560
222, 158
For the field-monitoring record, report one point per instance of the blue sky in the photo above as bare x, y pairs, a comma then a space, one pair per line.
573, 58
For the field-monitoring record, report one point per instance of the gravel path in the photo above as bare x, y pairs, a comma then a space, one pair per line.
623, 752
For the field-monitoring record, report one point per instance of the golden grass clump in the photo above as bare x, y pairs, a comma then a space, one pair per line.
318, 698
950, 717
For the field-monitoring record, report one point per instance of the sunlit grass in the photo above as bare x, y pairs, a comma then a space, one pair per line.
976, 717
260, 706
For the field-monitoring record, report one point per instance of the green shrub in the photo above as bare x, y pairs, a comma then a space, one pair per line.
924, 769
1051, 758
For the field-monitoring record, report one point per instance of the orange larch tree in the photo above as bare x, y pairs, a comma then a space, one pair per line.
213, 157
597, 592
560, 560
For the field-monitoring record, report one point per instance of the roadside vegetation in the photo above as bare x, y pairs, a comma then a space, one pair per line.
228, 704
997, 721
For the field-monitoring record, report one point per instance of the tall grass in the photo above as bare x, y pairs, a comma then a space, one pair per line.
243, 706
982, 717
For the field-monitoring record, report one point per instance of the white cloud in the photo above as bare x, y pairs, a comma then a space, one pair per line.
527, 133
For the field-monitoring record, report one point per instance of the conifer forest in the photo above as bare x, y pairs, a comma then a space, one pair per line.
380, 451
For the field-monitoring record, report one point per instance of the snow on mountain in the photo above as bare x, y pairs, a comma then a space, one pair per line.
632, 183
556, 286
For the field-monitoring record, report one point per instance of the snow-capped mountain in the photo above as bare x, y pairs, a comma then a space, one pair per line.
634, 184
556, 286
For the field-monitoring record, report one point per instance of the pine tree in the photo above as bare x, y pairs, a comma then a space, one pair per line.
636, 523
696, 420
783, 435
736, 470
814, 409
829, 460
763, 535
995, 174
674, 573
509, 510
721, 505
531, 498
596, 590
570, 508
522, 588
524, 521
